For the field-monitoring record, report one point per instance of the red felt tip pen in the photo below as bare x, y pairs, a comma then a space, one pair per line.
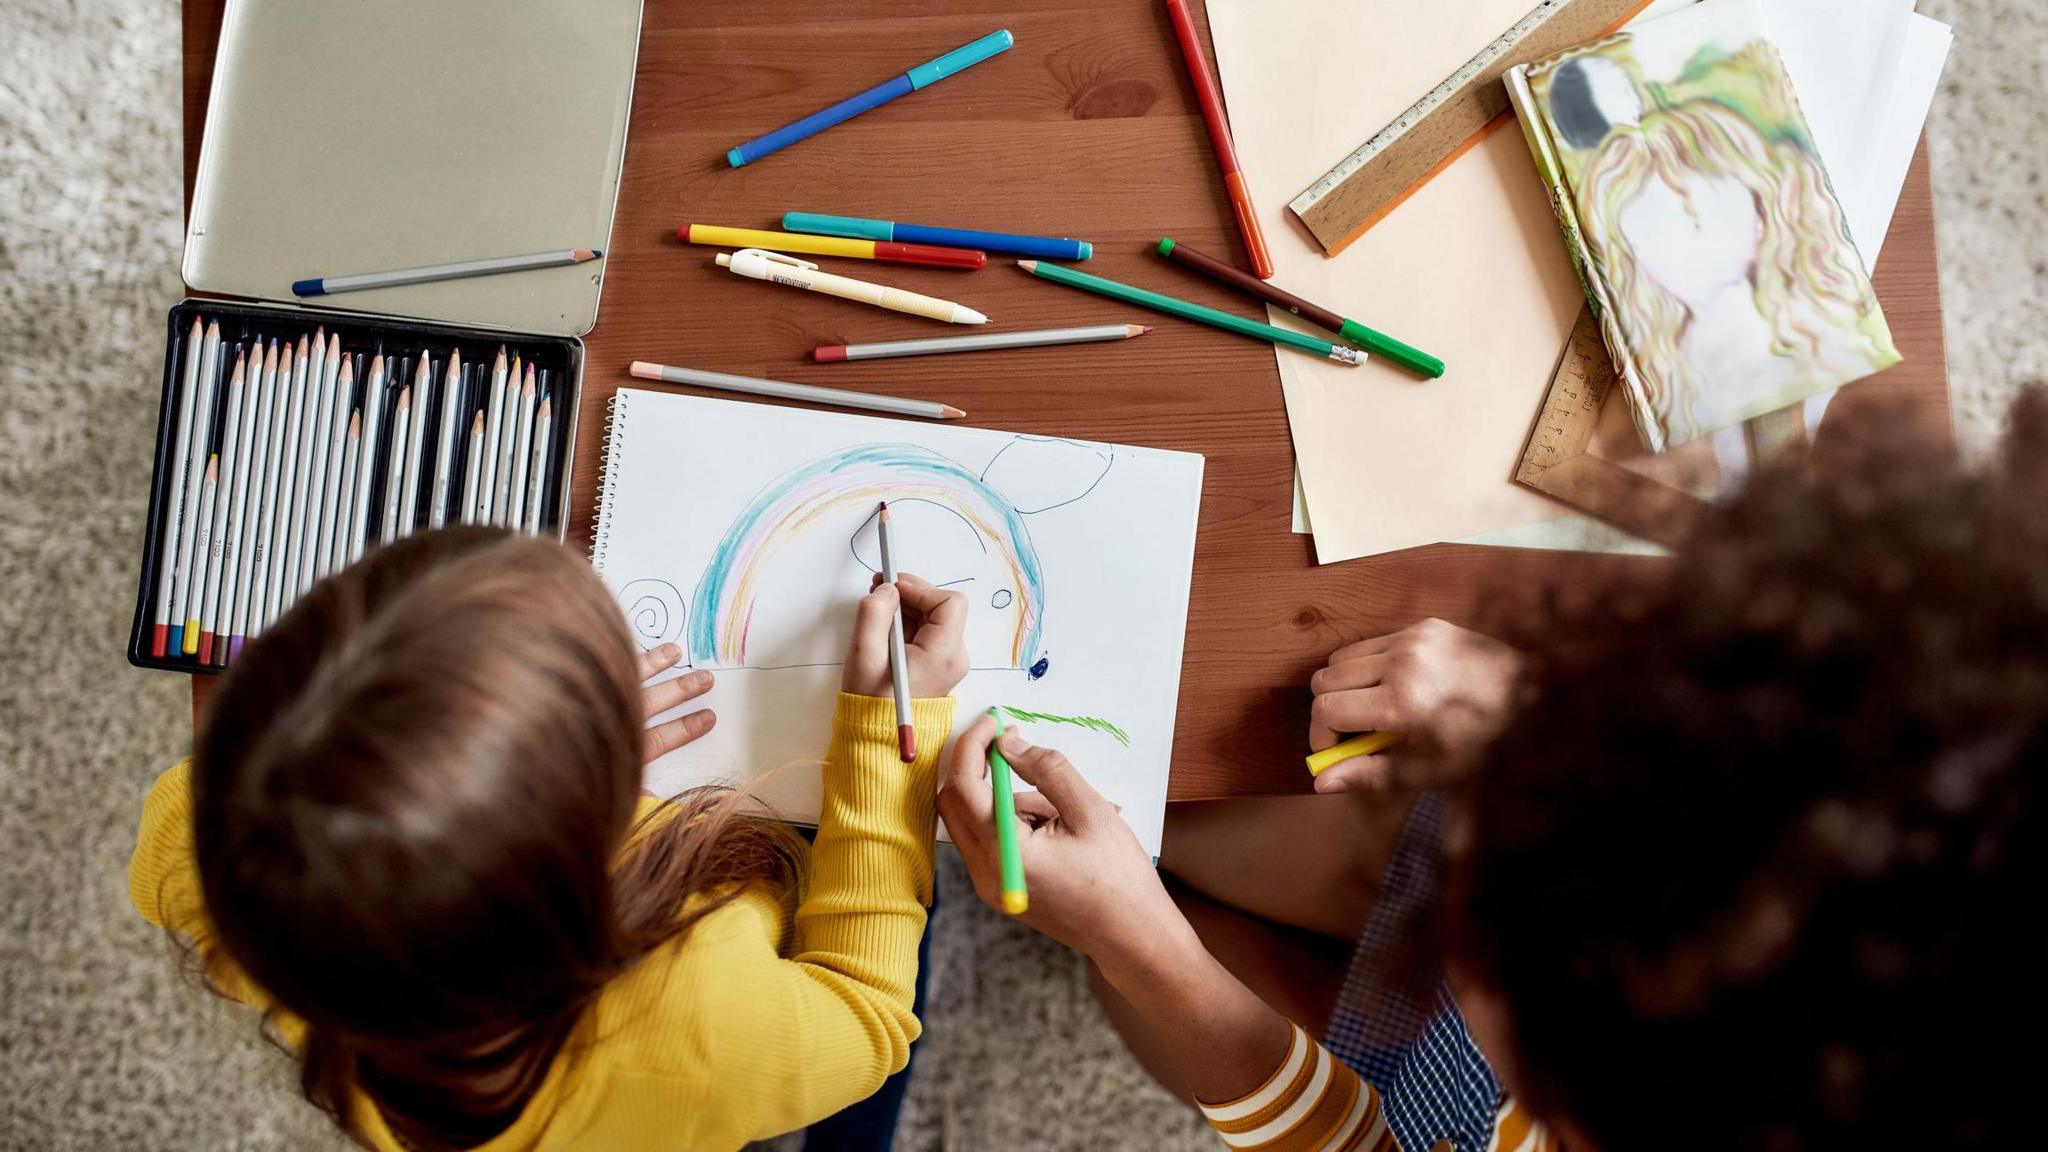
1211, 101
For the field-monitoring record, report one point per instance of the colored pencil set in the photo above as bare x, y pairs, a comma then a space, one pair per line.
292, 454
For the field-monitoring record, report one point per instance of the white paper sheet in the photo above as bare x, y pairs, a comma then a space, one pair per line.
745, 533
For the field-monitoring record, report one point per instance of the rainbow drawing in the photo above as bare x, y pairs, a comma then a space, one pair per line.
818, 494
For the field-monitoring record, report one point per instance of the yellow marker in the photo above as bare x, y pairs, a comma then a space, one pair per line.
852, 248
1365, 745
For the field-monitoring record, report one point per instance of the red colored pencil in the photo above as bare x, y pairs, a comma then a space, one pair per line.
1211, 101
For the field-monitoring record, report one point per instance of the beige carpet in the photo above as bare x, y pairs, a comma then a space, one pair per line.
101, 1046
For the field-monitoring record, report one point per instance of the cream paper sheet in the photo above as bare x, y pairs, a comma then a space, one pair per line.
1470, 269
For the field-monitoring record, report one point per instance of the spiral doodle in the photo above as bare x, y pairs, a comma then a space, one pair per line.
654, 612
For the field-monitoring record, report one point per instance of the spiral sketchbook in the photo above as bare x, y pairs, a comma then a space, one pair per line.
1695, 202
745, 533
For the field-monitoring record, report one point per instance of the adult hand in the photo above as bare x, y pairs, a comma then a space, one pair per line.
1445, 690
934, 638
667, 737
1093, 888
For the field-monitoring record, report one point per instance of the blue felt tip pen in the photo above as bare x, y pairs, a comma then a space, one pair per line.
1042, 247
923, 76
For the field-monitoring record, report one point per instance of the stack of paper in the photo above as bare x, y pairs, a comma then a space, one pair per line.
1472, 268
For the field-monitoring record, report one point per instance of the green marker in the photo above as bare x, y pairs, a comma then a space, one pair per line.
1412, 359
1015, 898
1060, 273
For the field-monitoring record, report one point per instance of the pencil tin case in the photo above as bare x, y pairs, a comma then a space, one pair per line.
412, 155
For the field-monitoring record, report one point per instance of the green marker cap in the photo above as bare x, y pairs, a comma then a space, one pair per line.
1166, 245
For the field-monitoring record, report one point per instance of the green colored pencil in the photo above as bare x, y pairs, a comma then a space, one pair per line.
1061, 274
1015, 898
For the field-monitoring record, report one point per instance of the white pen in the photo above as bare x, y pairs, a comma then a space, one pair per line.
756, 264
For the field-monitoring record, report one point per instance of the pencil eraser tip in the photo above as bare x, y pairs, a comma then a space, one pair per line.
1016, 903
829, 354
308, 288
735, 157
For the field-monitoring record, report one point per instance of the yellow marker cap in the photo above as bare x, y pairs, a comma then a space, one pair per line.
1014, 903
1365, 745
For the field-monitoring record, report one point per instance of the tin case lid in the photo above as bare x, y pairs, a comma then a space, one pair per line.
384, 134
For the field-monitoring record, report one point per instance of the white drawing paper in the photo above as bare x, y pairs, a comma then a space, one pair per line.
746, 533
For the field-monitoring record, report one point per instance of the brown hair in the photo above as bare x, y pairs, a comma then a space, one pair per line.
1759, 860
412, 804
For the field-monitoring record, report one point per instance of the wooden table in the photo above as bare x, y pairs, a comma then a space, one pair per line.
1088, 127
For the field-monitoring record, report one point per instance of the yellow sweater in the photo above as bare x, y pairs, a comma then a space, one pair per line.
738, 1030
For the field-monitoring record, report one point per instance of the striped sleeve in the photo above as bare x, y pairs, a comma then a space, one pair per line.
1312, 1103
1515, 1130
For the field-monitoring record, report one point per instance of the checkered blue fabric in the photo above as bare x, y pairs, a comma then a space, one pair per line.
1396, 1025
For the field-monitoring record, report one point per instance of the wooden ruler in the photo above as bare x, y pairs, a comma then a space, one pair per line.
1556, 462
1442, 126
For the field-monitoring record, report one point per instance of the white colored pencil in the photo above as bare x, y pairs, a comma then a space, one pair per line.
291, 479
264, 557
366, 462
496, 265
194, 534
522, 448
494, 427
333, 544
471, 473
444, 453
223, 497
786, 391
518, 416
394, 463
209, 495
172, 527
351, 454
415, 447
537, 471
320, 425
234, 579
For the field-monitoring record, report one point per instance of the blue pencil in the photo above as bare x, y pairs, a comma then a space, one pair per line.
924, 75
1044, 247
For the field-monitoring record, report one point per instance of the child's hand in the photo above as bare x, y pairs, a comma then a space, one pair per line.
1443, 689
667, 737
934, 638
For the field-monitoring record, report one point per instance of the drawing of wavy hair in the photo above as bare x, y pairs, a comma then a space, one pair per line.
1806, 279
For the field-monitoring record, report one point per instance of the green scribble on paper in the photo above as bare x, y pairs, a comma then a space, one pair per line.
1094, 723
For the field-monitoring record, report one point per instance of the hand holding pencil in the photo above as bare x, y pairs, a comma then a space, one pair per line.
935, 639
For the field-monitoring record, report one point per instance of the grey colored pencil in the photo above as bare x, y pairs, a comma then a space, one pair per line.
218, 554
522, 450
518, 417
262, 555
346, 512
1100, 334
786, 391
192, 541
494, 266
234, 592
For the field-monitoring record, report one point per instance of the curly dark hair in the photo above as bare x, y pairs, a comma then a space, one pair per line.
1758, 863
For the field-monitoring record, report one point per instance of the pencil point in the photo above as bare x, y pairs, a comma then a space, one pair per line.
1138, 329
1028, 265
948, 412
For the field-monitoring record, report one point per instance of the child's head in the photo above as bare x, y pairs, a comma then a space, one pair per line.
1759, 862
411, 796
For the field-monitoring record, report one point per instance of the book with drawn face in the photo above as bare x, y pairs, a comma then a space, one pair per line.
1696, 204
